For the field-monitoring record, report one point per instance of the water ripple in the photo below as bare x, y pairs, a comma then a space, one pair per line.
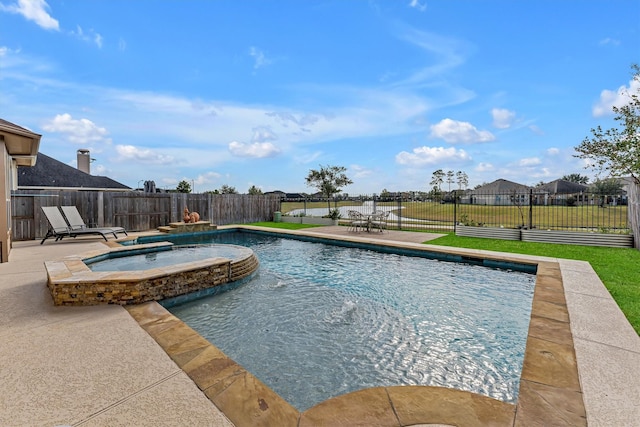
318, 321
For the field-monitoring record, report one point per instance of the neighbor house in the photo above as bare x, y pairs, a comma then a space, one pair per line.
52, 174
18, 147
560, 192
499, 192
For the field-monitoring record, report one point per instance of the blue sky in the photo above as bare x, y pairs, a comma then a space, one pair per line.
258, 93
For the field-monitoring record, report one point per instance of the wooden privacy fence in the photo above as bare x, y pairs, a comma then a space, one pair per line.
135, 211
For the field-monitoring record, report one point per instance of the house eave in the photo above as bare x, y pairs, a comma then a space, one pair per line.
22, 145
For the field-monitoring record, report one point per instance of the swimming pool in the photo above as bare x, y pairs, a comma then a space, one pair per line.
320, 320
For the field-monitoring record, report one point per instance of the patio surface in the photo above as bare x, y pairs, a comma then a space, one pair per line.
95, 366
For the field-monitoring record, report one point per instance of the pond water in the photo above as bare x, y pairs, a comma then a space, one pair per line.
366, 208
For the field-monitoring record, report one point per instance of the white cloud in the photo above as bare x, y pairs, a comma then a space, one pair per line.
130, 152
263, 133
359, 172
609, 40
33, 10
453, 132
91, 36
502, 118
82, 131
301, 120
553, 151
536, 129
484, 167
449, 53
528, 162
417, 5
609, 99
307, 158
259, 57
423, 156
207, 178
99, 170
543, 173
257, 149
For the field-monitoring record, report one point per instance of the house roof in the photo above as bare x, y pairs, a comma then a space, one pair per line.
500, 186
49, 172
560, 186
22, 144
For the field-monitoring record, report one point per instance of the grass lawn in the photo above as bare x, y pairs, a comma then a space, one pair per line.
618, 268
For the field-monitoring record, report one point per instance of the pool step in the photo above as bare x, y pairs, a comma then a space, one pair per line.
191, 227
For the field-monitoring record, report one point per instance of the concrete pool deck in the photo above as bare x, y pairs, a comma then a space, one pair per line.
97, 366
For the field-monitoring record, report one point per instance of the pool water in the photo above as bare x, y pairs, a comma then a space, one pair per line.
166, 257
318, 321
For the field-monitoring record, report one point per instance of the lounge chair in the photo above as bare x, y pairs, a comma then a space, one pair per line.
59, 228
77, 223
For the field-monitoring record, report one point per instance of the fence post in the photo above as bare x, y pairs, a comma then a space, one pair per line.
530, 208
100, 209
399, 213
455, 213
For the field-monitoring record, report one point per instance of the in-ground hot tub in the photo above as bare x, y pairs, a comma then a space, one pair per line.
147, 272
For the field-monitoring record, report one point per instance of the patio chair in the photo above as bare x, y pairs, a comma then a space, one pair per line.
356, 221
379, 220
59, 228
77, 223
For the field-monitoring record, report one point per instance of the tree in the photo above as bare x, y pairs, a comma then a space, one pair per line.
435, 194
607, 188
450, 180
437, 178
183, 187
227, 189
617, 150
462, 179
253, 190
577, 178
329, 180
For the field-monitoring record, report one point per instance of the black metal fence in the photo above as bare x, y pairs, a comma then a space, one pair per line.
530, 210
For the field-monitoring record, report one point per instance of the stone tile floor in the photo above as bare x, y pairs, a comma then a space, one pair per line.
97, 366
